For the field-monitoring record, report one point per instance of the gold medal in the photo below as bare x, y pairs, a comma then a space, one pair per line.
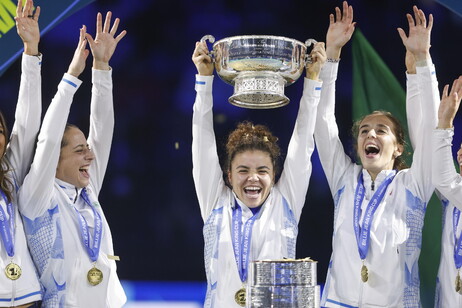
240, 296
13, 271
458, 283
364, 274
94, 276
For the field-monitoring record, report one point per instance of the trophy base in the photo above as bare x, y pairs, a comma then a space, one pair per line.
259, 90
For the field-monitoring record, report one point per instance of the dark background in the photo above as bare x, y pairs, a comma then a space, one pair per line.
148, 195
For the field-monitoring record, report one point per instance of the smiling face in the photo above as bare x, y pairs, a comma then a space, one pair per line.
251, 177
377, 145
75, 159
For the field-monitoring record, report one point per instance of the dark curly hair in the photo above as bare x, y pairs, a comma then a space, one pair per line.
5, 183
250, 137
398, 131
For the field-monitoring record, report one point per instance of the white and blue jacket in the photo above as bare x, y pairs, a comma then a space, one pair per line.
396, 232
276, 227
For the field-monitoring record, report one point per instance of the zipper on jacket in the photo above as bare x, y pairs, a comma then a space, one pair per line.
13, 292
76, 194
361, 289
372, 185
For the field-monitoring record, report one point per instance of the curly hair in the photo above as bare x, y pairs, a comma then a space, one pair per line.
250, 137
6, 184
398, 131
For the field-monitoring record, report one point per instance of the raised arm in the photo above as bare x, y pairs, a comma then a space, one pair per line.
420, 39
35, 193
444, 175
328, 144
29, 108
207, 173
417, 42
297, 166
102, 48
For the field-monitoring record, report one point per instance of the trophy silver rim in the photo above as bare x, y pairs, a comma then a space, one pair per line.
280, 102
273, 37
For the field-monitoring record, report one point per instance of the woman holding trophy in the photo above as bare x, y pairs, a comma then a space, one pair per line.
247, 215
380, 204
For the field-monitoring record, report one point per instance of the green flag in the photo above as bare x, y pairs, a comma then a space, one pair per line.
376, 88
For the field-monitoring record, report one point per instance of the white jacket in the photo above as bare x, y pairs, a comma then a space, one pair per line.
276, 227
395, 237
48, 207
449, 184
19, 155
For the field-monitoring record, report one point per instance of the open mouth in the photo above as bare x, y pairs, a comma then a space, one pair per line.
252, 191
371, 150
84, 172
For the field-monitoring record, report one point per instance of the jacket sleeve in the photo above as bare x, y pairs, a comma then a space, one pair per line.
37, 189
333, 158
207, 173
445, 177
297, 166
422, 157
27, 118
414, 106
101, 125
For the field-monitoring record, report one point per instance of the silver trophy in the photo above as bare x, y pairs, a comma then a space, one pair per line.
259, 67
283, 284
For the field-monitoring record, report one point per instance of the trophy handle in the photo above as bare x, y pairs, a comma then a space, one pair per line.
308, 43
211, 39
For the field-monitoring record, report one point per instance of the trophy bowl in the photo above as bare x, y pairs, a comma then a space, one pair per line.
259, 67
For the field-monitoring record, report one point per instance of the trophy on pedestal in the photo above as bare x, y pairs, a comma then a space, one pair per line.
284, 283
259, 67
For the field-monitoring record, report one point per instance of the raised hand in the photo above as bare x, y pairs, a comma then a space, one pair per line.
418, 40
27, 26
318, 58
341, 28
202, 60
449, 104
104, 44
80, 55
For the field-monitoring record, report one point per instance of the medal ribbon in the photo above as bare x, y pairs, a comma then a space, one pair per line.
457, 242
7, 226
241, 240
363, 232
92, 248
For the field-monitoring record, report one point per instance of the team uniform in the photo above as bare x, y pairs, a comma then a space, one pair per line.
275, 226
18, 155
449, 184
55, 213
392, 254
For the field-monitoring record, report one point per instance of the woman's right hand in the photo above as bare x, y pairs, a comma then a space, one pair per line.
449, 104
80, 55
202, 60
341, 28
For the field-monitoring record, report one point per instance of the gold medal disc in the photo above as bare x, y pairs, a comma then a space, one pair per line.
240, 296
94, 276
458, 283
364, 274
13, 271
